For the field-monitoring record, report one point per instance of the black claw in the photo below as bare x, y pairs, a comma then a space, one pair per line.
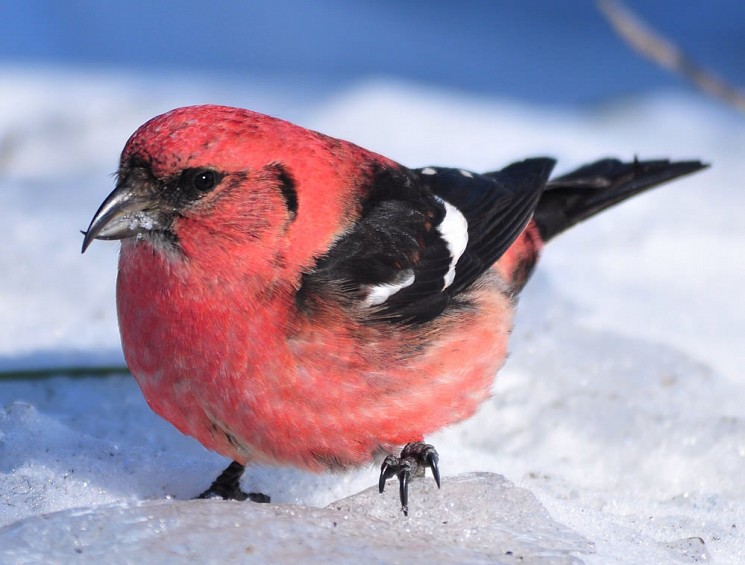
414, 458
228, 486
403, 491
387, 471
432, 460
259, 497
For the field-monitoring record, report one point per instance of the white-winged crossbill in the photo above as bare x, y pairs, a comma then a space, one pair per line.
288, 298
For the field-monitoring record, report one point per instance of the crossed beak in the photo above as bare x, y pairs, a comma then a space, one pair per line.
126, 212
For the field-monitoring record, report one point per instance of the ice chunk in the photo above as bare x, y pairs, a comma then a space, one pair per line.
482, 512
475, 518
692, 550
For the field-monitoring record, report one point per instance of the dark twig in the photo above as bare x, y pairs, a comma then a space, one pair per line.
665, 53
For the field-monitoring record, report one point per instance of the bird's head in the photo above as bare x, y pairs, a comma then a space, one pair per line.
206, 180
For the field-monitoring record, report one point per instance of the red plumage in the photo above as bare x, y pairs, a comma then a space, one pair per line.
252, 253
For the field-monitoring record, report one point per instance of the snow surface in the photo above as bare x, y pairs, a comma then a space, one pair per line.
619, 415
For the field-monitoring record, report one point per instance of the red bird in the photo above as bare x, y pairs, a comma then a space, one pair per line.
288, 298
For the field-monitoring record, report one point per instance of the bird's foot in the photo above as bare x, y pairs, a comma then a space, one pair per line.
414, 458
228, 486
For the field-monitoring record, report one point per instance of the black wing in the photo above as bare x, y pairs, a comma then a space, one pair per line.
426, 235
498, 206
576, 196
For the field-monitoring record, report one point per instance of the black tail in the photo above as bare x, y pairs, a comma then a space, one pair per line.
572, 198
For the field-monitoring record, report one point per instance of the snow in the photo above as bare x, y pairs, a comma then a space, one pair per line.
515, 528
617, 420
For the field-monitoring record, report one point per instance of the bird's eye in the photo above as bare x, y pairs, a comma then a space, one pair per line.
198, 181
204, 181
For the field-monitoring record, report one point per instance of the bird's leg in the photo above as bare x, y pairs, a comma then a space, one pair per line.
414, 458
228, 486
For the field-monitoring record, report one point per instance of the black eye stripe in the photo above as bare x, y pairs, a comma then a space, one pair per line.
287, 187
289, 192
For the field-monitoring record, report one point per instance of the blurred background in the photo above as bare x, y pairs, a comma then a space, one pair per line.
536, 50
622, 398
473, 84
